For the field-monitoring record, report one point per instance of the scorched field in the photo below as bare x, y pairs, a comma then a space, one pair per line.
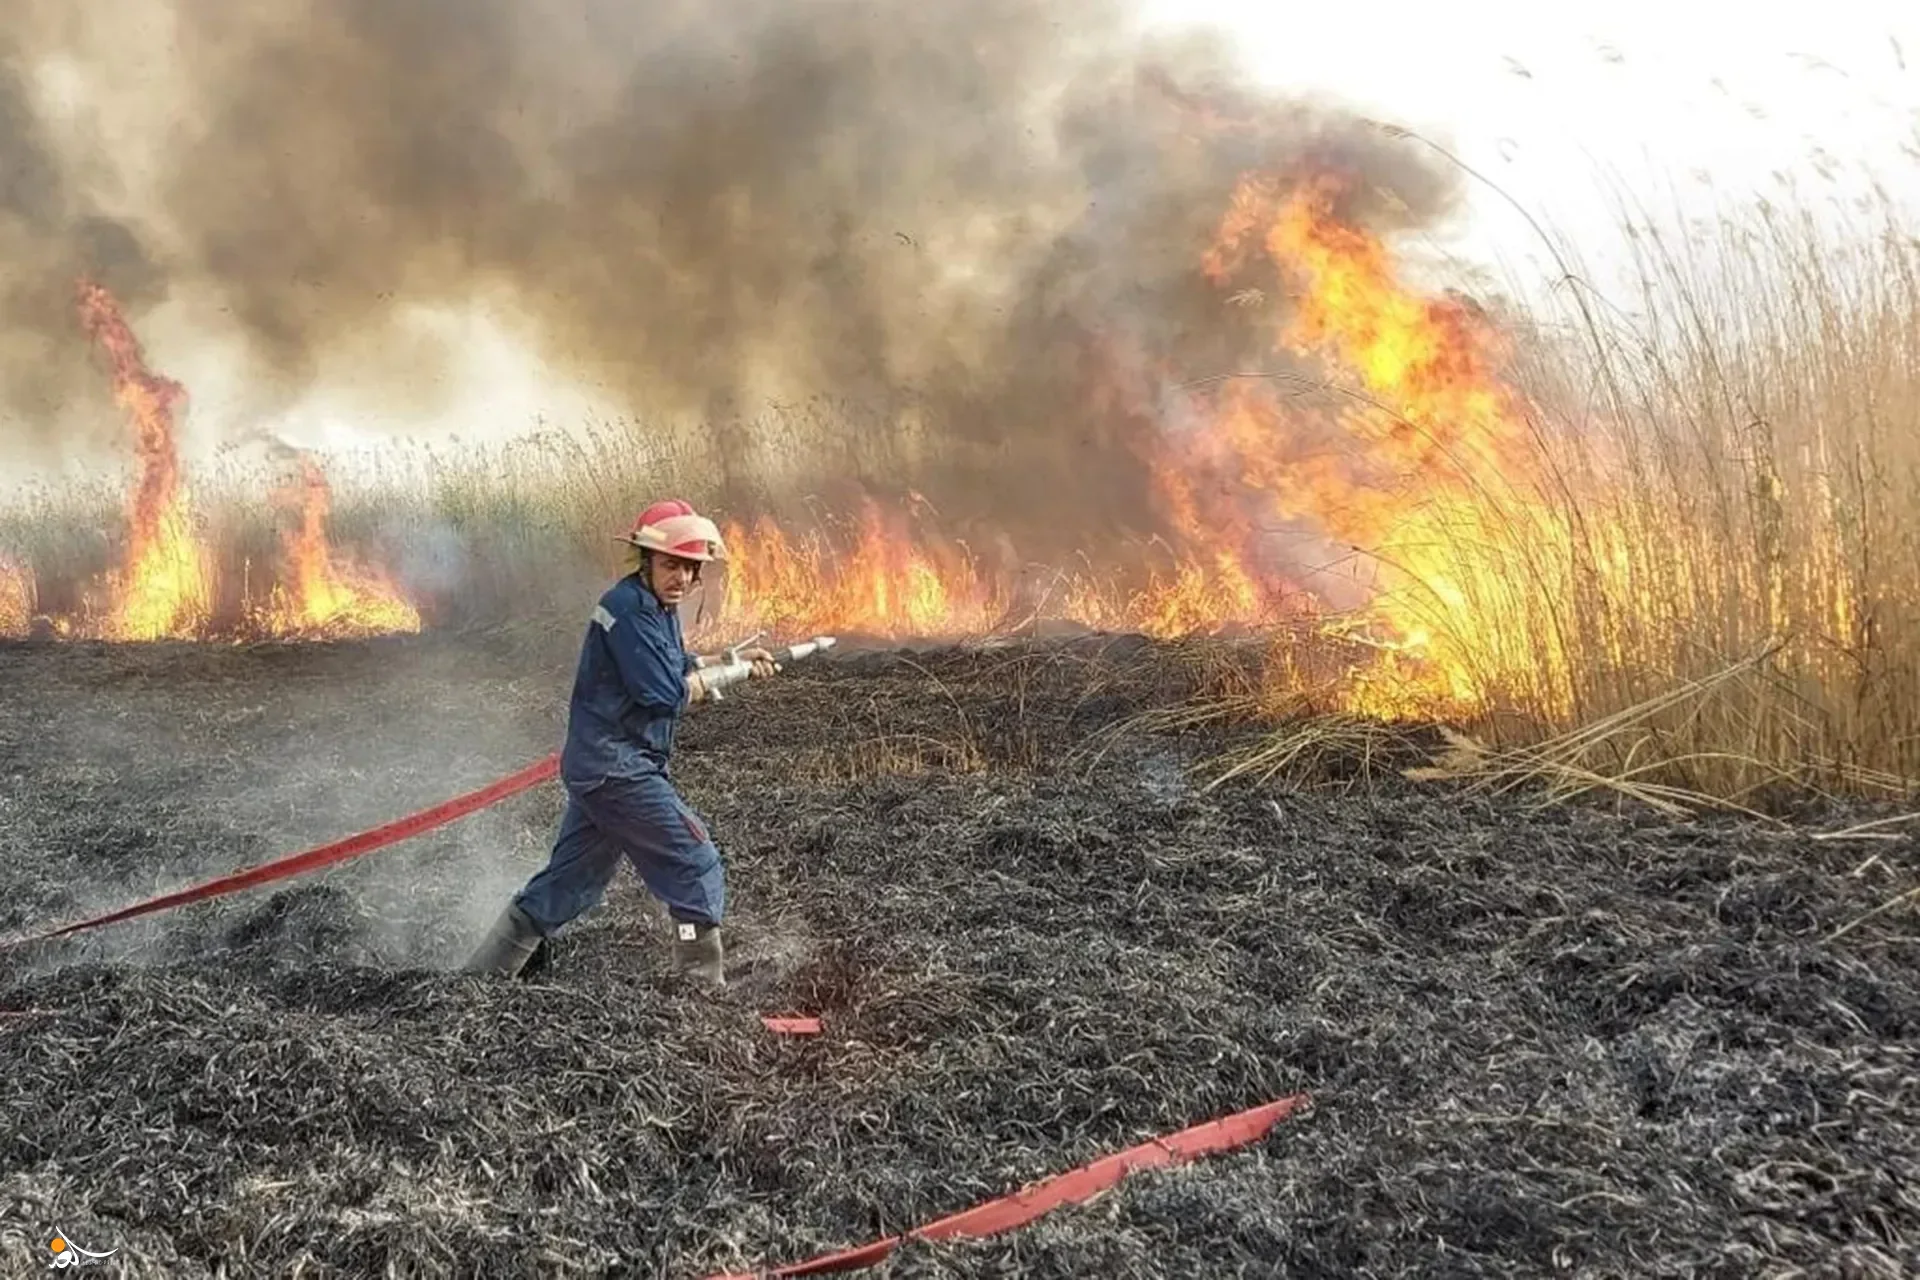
1536, 1040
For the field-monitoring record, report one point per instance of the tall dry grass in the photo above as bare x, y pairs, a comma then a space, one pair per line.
1703, 574
1769, 407
475, 534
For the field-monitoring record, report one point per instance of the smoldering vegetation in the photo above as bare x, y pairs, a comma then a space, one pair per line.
981, 220
1538, 1040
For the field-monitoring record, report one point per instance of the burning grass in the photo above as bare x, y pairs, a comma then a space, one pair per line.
16, 599
1541, 1037
1540, 536
165, 580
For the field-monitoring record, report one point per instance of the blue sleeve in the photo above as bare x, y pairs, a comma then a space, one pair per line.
645, 664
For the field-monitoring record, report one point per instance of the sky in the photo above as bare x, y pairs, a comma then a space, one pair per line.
1546, 99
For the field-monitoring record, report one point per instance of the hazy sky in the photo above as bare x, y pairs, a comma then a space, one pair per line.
1539, 97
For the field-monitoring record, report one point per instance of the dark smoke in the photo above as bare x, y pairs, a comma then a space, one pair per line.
990, 212
50, 238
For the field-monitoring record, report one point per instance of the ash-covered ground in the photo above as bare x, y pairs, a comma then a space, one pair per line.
1538, 1042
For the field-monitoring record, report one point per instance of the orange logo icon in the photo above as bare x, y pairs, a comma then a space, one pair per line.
68, 1254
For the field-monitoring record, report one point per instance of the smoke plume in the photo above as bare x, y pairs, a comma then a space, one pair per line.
984, 216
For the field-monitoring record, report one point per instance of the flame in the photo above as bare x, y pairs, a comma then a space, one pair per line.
887, 576
325, 595
1430, 476
164, 588
16, 598
883, 581
1422, 471
1419, 473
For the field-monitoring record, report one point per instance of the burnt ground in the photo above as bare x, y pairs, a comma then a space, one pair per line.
1561, 1041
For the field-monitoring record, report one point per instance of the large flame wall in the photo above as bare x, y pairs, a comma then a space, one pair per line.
1411, 447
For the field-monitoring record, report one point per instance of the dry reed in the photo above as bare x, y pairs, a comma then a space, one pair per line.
1723, 467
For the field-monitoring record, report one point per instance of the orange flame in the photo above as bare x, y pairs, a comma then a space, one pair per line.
325, 595
164, 587
1432, 457
890, 578
1425, 461
888, 582
1421, 469
16, 598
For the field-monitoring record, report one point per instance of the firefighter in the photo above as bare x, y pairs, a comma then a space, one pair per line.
634, 679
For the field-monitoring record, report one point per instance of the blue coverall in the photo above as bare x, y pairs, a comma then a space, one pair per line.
628, 693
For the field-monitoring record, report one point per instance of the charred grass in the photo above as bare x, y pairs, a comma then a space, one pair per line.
1540, 1039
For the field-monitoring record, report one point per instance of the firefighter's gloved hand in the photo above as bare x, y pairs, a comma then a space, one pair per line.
762, 661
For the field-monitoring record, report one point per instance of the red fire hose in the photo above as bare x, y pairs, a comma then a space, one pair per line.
732, 670
324, 856
1020, 1208
1016, 1210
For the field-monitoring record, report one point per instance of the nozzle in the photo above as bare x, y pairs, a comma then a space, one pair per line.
807, 647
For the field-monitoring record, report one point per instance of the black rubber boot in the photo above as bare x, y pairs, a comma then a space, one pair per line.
698, 953
508, 945
539, 962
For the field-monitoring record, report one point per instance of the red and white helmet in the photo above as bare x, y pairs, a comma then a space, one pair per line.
672, 527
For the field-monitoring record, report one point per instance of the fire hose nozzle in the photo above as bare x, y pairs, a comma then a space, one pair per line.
735, 668
807, 647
